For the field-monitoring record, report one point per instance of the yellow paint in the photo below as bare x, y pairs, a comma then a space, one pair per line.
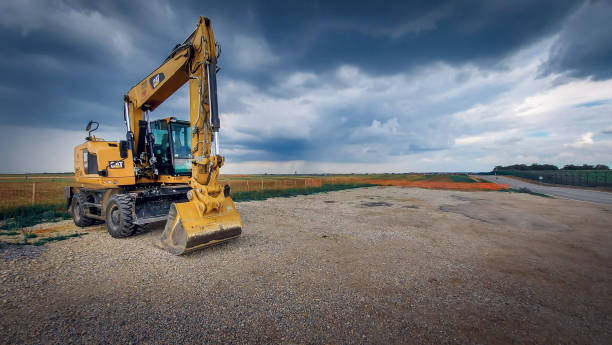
105, 153
208, 210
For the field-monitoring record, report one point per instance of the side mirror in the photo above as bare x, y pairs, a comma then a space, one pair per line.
123, 148
90, 129
90, 124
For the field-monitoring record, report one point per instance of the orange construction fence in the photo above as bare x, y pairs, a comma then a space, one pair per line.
443, 185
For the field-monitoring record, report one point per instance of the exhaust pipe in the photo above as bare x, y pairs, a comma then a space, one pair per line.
126, 116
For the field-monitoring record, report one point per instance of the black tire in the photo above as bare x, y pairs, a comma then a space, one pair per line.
78, 211
119, 216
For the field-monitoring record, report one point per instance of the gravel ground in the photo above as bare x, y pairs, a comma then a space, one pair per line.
371, 265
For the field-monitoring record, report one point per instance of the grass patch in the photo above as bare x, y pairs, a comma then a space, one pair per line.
480, 180
423, 177
58, 238
287, 193
461, 178
25, 216
407, 177
435, 178
42, 240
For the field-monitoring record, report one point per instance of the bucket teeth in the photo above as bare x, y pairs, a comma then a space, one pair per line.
187, 230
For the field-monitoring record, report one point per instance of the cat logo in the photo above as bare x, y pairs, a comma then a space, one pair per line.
115, 164
156, 79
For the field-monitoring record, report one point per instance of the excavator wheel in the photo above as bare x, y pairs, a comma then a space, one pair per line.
78, 211
119, 216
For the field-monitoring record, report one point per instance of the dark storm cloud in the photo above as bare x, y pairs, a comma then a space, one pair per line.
67, 62
584, 46
272, 149
384, 37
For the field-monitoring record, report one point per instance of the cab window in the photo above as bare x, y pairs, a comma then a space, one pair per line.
181, 140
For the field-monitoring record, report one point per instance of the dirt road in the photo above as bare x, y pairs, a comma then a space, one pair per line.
561, 192
373, 265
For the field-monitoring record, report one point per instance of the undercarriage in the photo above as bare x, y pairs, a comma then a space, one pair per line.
125, 210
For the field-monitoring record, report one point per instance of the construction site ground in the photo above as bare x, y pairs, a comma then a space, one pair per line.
370, 265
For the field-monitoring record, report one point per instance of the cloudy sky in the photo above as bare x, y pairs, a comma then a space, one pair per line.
323, 86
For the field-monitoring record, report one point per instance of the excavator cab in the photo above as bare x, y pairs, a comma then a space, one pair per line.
172, 146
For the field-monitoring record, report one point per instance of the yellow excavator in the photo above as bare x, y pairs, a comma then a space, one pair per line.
165, 169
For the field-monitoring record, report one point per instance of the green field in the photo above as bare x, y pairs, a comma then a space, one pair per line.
286, 193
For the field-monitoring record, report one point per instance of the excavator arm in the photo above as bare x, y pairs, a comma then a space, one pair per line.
209, 216
195, 61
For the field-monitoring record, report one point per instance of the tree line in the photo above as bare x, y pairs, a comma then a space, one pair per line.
535, 166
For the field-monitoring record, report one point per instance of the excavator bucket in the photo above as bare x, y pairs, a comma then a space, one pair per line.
187, 230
